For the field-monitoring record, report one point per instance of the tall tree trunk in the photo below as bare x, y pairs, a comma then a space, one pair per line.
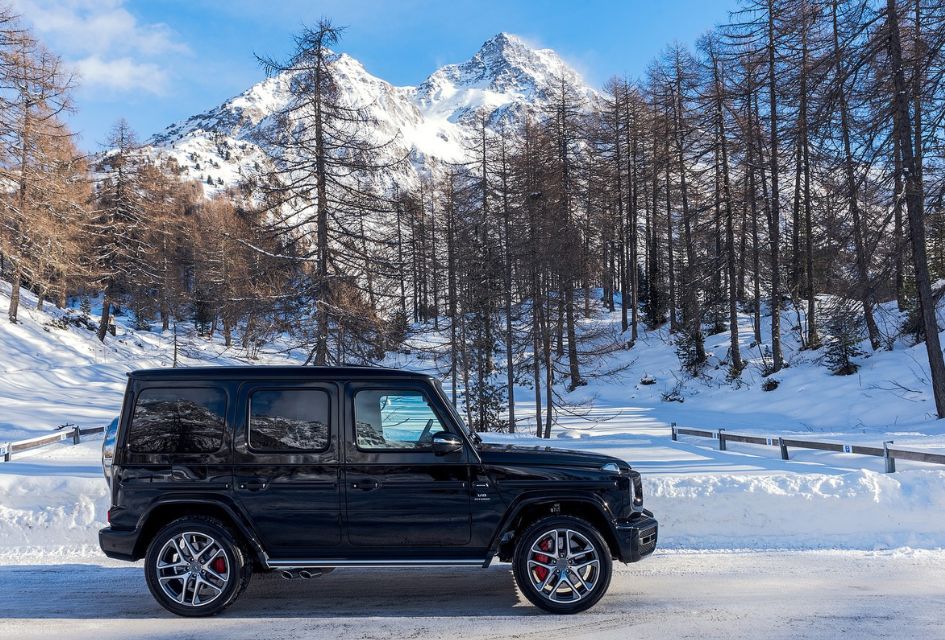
736, 356
692, 293
509, 337
774, 234
104, 320
654, 277
743, 240
451, 292
900, 244
573, 365
634, 209
549, 376
15, 283
321, 213
813, 340
621, 219
864, 288
537, 299
752, 195
21, 203
915, 210
670, 252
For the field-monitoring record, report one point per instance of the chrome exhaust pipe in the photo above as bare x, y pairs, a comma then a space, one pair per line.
287, 575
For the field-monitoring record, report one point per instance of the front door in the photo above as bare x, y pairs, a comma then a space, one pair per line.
399, 493
288, 467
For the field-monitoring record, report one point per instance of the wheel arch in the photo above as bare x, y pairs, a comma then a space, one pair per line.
166, 511
530, 509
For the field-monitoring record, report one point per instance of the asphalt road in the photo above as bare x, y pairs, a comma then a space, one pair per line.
670, 595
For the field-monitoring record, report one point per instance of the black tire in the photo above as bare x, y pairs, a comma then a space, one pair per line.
535, 535
237, 576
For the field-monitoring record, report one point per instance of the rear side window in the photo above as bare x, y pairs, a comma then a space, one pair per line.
288, 420
179, 420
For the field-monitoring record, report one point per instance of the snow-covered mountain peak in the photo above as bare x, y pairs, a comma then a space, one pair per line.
504, 69
433, 122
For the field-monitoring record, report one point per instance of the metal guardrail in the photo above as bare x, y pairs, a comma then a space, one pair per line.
888, 453
7, 449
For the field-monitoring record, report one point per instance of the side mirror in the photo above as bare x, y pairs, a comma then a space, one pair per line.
445, 443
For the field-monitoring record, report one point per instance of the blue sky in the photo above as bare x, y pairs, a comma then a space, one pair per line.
158, 61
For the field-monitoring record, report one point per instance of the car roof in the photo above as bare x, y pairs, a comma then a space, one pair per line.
261, 372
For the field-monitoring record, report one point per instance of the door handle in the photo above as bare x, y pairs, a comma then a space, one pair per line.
253, 485
366, 485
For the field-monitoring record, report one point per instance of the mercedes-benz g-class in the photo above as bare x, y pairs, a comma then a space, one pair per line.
219, 472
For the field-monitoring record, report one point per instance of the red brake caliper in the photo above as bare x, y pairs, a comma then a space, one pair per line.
219, 565
544, 545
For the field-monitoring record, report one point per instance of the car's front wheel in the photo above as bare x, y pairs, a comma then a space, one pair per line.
562, 564
196, 567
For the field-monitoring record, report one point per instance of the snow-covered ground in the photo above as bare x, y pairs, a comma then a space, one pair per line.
751, 546
750, 596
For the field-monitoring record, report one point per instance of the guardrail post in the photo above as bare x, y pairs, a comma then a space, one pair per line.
722, 446
5, 450
75, 435
673, 427
783, 447
890, 461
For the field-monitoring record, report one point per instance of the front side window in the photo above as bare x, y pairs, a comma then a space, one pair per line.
401, 419
178, 420
288, 420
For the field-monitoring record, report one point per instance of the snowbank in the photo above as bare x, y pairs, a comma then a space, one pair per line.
856, 510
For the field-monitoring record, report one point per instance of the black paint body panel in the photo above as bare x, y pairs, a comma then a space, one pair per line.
347, 504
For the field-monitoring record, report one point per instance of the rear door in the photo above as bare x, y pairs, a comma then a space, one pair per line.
401, 496
287, 468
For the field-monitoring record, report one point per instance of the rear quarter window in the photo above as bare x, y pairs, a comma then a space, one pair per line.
289, 420
178, 420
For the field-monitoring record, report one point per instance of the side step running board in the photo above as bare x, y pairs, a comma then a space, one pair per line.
315, 563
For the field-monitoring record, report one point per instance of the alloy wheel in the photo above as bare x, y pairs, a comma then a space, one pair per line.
192, 569
563, 565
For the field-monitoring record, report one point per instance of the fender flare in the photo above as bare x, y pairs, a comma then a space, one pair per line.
536, 499
232, 511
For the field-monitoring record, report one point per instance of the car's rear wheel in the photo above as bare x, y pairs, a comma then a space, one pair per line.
196, 567
562, 564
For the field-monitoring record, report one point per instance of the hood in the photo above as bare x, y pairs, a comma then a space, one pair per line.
500, 453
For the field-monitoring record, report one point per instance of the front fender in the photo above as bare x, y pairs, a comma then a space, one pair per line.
541, 498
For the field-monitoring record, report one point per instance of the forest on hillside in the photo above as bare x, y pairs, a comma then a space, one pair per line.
796, 150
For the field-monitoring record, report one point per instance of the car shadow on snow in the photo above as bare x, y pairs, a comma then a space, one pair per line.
95, 592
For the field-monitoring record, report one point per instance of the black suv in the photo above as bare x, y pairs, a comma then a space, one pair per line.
219, 472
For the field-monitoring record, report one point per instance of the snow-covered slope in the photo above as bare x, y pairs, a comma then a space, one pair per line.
430, 123
53, 500
54, 371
